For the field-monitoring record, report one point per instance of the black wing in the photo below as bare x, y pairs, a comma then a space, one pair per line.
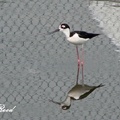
87, 93
84, 34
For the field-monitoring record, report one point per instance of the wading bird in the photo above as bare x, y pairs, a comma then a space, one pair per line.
76, 38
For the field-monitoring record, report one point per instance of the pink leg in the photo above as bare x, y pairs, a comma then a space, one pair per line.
82, 65
78, 74
78, 58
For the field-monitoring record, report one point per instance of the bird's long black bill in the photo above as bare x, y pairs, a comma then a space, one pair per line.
57, 30
55, 102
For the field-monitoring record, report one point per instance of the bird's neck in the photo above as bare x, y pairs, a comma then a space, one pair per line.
67, 32
68, 101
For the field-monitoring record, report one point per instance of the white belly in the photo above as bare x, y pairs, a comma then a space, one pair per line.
77, 40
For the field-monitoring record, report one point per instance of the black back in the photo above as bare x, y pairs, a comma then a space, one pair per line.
84, 34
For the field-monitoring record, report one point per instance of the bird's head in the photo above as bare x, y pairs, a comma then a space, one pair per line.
65, 107
62, 27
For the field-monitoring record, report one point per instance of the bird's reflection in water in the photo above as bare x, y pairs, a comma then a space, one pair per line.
77, 92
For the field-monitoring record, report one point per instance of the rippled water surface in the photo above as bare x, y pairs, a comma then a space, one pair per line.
35, 68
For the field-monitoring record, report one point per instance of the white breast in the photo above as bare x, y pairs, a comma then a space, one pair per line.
75, 39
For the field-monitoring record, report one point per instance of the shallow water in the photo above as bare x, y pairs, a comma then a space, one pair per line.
108, 22
35, 68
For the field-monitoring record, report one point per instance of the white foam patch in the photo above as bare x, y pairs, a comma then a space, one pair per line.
108, 17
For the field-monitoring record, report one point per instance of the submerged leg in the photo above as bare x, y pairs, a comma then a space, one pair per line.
78, 74
82, 65
78, 59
